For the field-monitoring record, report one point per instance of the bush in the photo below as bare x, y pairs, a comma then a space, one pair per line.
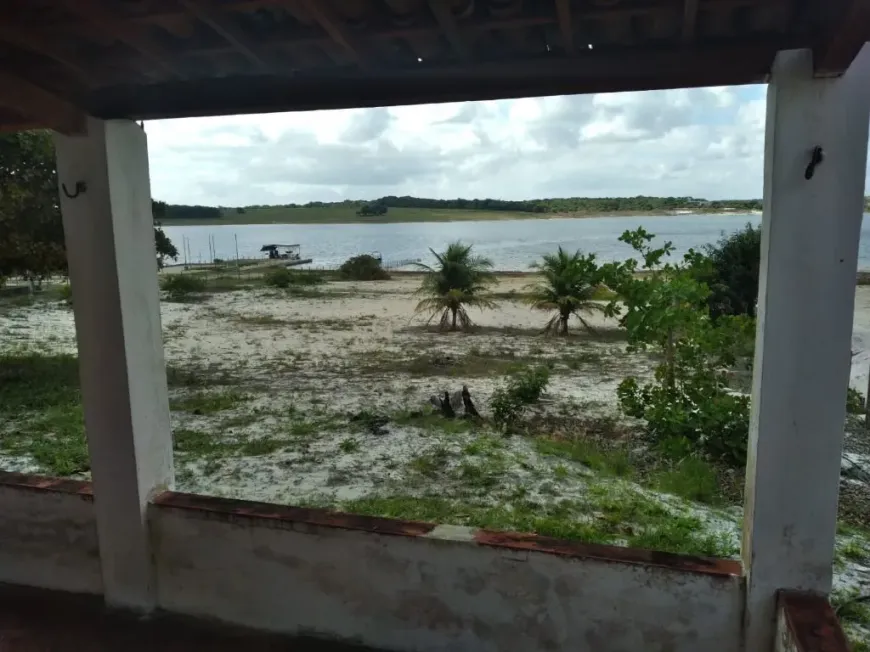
281, 277
65, 292
731, 272
693, 416
363, 268
278, 277
854, 401
522, 389
179, 287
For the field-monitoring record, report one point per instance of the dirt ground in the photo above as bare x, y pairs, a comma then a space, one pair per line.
321, 396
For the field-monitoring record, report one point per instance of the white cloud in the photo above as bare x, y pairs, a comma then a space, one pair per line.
699, 142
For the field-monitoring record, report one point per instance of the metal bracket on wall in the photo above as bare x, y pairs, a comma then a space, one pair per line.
817, 157
80, 187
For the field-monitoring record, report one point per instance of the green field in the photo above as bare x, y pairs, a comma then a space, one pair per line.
347, 215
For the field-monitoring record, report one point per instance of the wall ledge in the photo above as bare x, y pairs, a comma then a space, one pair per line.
229, 509
811, 623
26, 481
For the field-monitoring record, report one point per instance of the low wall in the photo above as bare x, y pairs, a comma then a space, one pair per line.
807, 623
413, 586
48, 534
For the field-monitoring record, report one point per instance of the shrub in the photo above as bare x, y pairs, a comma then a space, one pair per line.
278, 277
692, 415
522, 389
731, 272
179, 287
854, 401
65, 292
363, 268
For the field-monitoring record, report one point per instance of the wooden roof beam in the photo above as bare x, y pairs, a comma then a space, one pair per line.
100, 16
447, 22
690, 20
39, 106
331, 24
844, 43
566, 24
229, 32
38, 43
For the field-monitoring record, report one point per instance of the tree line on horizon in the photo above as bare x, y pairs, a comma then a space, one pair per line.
545, 205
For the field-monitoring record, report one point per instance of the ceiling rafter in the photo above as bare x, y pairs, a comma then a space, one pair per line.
690, 20
566, 24
40, 105
844, 43
132, 35
447, 22
332, 25
39, 44
229, 32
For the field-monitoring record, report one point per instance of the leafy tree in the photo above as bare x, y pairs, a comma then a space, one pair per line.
31, 230
373, 208
569, 285
689, 407
163, 245
458, 280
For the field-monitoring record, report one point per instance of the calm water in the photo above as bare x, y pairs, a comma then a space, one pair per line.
511, 245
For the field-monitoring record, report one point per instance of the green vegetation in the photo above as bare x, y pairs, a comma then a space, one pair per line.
32, 243
182, 287
208, 402
511, 400
418, 209
40, 409
363, 268
688, 407
730, 271
569, 286
457, 281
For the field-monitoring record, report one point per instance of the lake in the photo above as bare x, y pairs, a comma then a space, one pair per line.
510, 244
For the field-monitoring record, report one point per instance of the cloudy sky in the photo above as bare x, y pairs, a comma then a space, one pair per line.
701, 142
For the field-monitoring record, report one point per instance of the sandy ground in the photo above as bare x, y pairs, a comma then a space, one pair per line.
318, 399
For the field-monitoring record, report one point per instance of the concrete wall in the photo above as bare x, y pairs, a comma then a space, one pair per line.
410, 586
48, 534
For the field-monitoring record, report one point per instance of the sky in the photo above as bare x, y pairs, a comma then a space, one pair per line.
691, 142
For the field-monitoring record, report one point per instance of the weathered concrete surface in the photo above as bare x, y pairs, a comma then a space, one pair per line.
398, 586
48, 534
807, 623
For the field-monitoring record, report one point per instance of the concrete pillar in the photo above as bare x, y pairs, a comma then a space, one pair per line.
113, 274
809, 258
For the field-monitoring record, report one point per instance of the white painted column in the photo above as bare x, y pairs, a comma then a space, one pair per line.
113, 274
809, 258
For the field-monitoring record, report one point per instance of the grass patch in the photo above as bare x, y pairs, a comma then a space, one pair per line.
197, 442
430, 420
854, 551
348, 445
40, 403
692, 479
589, 453
203, 403
262, 446
260, 320
473, 364
431, 463
850, 608
197, 376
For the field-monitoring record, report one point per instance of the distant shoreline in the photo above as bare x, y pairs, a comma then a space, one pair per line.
412, 216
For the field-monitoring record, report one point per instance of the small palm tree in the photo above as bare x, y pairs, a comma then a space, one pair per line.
457, 281
568, 288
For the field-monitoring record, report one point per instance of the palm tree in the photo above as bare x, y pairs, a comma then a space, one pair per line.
568, 288
458, 280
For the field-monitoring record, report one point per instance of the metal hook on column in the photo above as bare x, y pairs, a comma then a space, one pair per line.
817, 157
80, 187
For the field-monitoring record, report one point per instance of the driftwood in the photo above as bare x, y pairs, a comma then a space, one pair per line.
468, 404
446, 408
